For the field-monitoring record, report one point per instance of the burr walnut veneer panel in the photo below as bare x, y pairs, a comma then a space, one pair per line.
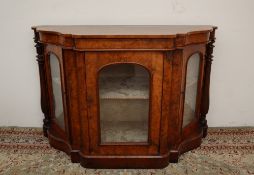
124, 96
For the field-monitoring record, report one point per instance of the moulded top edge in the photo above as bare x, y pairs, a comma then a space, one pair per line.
123, 31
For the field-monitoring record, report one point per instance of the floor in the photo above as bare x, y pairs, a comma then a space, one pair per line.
223, 151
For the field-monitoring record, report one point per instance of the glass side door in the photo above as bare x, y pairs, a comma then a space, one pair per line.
56, 90
56, 83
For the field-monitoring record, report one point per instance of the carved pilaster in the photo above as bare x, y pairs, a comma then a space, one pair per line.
44, 96
206, 87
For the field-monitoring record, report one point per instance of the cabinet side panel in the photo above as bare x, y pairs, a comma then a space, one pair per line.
82, 88
166, 97
191, 134
70, 68
176, 94
58, 137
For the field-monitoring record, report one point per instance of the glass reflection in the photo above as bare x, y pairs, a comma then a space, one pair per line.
57, 90
192, 77
124, 103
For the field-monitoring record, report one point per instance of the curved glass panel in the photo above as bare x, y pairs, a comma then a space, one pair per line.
124, 103
57, 90
192, 77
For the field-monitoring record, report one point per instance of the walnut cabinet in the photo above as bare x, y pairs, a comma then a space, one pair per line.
124, 96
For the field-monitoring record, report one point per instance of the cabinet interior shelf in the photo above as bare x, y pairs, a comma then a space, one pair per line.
128, 88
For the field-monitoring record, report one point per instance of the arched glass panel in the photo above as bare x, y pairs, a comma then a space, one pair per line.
124, 103
192, 77
57, 90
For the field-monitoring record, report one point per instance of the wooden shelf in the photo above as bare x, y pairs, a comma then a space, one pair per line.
129, 88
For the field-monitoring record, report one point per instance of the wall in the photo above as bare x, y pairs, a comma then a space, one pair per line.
232, 81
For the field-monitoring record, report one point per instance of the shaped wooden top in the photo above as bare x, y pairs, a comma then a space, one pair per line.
136, 37
124, 31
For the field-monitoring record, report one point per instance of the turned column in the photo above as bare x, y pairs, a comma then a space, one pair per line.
44, 96
206, 88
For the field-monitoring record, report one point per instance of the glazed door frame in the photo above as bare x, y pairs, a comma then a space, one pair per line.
54, 126
188, 53
153, 62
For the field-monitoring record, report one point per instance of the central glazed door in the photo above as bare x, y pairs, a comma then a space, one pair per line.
124, 91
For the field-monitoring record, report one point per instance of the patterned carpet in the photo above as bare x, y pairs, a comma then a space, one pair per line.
224, 151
